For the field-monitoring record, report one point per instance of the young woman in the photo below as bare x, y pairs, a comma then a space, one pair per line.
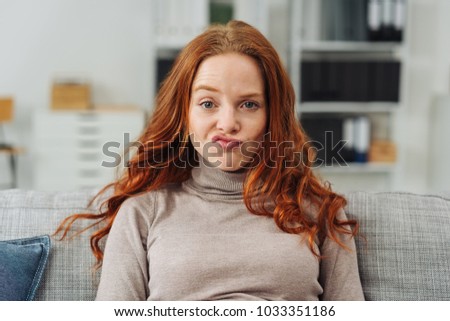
219, 202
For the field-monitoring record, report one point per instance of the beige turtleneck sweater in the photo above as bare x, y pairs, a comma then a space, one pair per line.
197, 241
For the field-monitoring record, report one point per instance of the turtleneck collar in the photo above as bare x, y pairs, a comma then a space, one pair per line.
211, 182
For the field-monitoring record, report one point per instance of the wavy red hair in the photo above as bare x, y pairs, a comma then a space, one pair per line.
286, 192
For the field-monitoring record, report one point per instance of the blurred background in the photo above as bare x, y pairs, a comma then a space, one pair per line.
78, 79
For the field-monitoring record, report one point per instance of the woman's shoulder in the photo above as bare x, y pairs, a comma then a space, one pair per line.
138, 209
144, 204
141, 200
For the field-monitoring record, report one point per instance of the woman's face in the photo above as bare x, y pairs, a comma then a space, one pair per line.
228, 112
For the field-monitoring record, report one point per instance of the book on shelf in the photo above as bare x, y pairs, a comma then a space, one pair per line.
350, 81
354, 20
338, 139
386, 20
361, 132
343, 20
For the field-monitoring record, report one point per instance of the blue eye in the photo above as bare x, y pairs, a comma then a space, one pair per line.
207, 104
250, 105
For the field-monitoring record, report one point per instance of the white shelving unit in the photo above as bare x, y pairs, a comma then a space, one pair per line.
306, 40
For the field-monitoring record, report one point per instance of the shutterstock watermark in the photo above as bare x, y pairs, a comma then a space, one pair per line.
326, 153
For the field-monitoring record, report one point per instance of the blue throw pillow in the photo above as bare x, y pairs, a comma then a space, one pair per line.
22, 264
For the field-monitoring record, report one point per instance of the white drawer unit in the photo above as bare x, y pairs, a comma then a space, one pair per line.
77, 150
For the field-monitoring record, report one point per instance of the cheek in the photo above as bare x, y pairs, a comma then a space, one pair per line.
192, 125
197, 125
259, 127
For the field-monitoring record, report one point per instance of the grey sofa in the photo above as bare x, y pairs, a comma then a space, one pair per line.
404, 250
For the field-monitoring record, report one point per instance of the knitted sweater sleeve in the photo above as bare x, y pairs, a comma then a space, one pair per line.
339, 273
124, 274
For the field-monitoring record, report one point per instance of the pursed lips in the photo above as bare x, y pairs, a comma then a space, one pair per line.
225, 142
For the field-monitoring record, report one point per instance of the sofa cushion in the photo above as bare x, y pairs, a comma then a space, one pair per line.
69, 275
406, 251
22, 264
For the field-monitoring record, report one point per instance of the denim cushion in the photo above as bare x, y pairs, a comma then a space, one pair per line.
22, 264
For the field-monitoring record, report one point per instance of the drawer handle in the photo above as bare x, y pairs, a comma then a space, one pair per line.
88, 117
89, 144
88, 157
85, 130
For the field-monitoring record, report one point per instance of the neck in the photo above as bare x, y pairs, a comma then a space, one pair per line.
210, 181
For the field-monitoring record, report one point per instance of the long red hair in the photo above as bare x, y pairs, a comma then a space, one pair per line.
281, 179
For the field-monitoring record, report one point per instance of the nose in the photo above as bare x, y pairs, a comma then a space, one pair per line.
228, 120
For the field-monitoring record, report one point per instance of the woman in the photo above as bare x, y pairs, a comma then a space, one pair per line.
219, 201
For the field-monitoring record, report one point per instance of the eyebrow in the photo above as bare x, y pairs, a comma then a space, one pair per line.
209, 88
206, 87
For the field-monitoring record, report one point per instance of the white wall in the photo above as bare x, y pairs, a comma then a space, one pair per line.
109, 42
439, 114
428, 71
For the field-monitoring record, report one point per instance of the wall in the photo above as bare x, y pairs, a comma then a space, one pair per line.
428, 71
109, 42
439, 139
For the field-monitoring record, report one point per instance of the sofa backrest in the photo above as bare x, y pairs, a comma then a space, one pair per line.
405, 254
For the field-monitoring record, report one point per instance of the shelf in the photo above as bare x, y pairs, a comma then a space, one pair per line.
351, 46
313, 57
347, 107
358, 168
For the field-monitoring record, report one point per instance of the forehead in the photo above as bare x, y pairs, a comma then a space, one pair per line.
230, 70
